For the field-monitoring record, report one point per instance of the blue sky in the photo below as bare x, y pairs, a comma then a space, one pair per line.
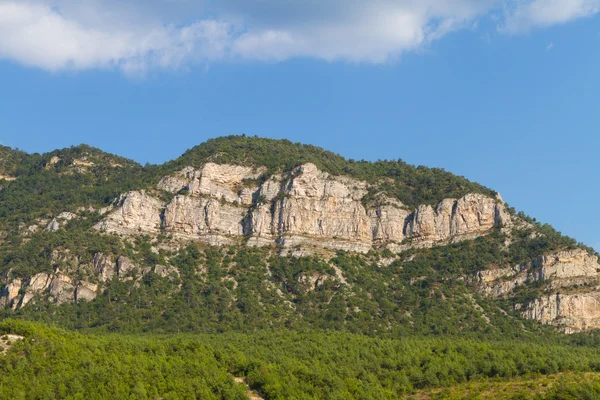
505, 93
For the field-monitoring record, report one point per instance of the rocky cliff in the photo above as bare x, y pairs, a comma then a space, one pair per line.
570, 312
58, 288
302, 212
232, 221
571, 277
62, 286
307, 208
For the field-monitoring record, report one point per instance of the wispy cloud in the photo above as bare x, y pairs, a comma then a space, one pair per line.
525, 15
73, 35
550, 46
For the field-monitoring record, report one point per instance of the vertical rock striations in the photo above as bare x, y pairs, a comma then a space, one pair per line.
570, 275
468, 217
136, 212
571, 312
308, 207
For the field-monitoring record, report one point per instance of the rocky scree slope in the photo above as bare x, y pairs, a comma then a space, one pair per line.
293, 203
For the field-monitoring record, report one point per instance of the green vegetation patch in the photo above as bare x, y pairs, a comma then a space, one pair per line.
278, 364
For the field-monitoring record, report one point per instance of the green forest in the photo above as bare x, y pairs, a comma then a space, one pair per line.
50, 363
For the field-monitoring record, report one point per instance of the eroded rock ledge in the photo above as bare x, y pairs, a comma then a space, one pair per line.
219, 204
559, 270
60, 287
572, 278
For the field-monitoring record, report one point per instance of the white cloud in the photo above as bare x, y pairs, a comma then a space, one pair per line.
354, 30
41, 36
541, 13
134, 36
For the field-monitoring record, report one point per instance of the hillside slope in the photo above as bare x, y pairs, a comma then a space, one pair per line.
245, 233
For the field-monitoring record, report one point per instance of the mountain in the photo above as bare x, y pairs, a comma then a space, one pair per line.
244, 233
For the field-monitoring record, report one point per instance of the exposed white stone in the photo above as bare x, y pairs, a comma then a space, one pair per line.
62, 289
165, 272
53, 226
571, 312
86, 291
308, 208
136, 212
10, 294
37, 284
124, 266
104, 266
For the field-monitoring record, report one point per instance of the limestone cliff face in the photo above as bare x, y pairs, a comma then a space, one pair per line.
9, 296
220, 181
104, 267
500, 281
136, 212
566, 265
319, 208
203, 217
308, 207
573, 271
60, 286
384, 223
562, 269
468, 217
571, 312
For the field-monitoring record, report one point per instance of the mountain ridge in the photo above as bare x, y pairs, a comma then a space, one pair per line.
296, 236
277, 155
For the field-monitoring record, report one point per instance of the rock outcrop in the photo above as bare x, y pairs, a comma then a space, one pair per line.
384, 223
566, 265
61, 218
573, 271
104, 267
558, 270
220, 181
124, 267
570, 312
59, 287
136, 212
62, 289
53, 226
166, 272
37, 284
86, 291
200, 217
470, 216
9, 295
308, 208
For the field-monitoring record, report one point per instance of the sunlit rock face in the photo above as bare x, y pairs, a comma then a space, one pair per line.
570, 312
308, 207
468, 217
571, 274
136, 212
